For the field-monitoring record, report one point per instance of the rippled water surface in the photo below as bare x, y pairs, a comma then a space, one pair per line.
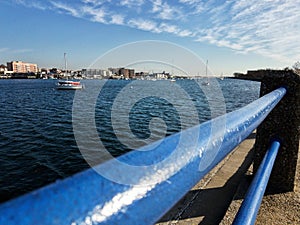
37, 143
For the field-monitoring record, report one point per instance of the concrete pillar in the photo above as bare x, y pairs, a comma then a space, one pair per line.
283, 123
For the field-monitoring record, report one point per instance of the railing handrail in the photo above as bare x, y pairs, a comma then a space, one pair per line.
250, 206
90, 198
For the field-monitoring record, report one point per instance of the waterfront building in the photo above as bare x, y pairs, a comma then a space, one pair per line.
131, 73
22, 67
95, 73
4, 73
161, 76
123, 73
3, 69
114, 71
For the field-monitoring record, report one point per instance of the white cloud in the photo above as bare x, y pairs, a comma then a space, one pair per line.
162, 10
190, 2
117, 19
38, 5
169, 28
65, 8
156, 6
143, 24
95, 2
266, 27
96, 14
186, 33
132, 3
168, 12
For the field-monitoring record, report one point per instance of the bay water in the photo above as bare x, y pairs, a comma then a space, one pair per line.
37, 142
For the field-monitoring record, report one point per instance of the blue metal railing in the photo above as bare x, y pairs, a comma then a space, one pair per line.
162, 176
250, 206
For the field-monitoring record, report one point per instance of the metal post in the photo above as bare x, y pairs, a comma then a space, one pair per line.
250, 206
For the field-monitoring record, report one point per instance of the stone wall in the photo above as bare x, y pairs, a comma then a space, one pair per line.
282, 123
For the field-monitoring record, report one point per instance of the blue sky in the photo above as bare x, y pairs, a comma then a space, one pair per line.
233, 36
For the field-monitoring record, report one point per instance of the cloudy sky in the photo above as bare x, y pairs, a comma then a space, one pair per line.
232, 35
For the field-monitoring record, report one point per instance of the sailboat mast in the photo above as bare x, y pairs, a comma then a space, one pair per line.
65, 54
206, 68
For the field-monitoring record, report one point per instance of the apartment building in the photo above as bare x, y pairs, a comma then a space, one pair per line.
22, 67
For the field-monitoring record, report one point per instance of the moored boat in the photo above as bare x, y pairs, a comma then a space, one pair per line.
69, 85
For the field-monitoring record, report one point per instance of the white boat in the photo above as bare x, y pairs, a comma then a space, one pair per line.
69, 85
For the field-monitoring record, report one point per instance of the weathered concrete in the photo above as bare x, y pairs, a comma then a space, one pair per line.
282, 123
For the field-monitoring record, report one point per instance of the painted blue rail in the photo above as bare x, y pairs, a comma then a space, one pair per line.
160, 178
249, 209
